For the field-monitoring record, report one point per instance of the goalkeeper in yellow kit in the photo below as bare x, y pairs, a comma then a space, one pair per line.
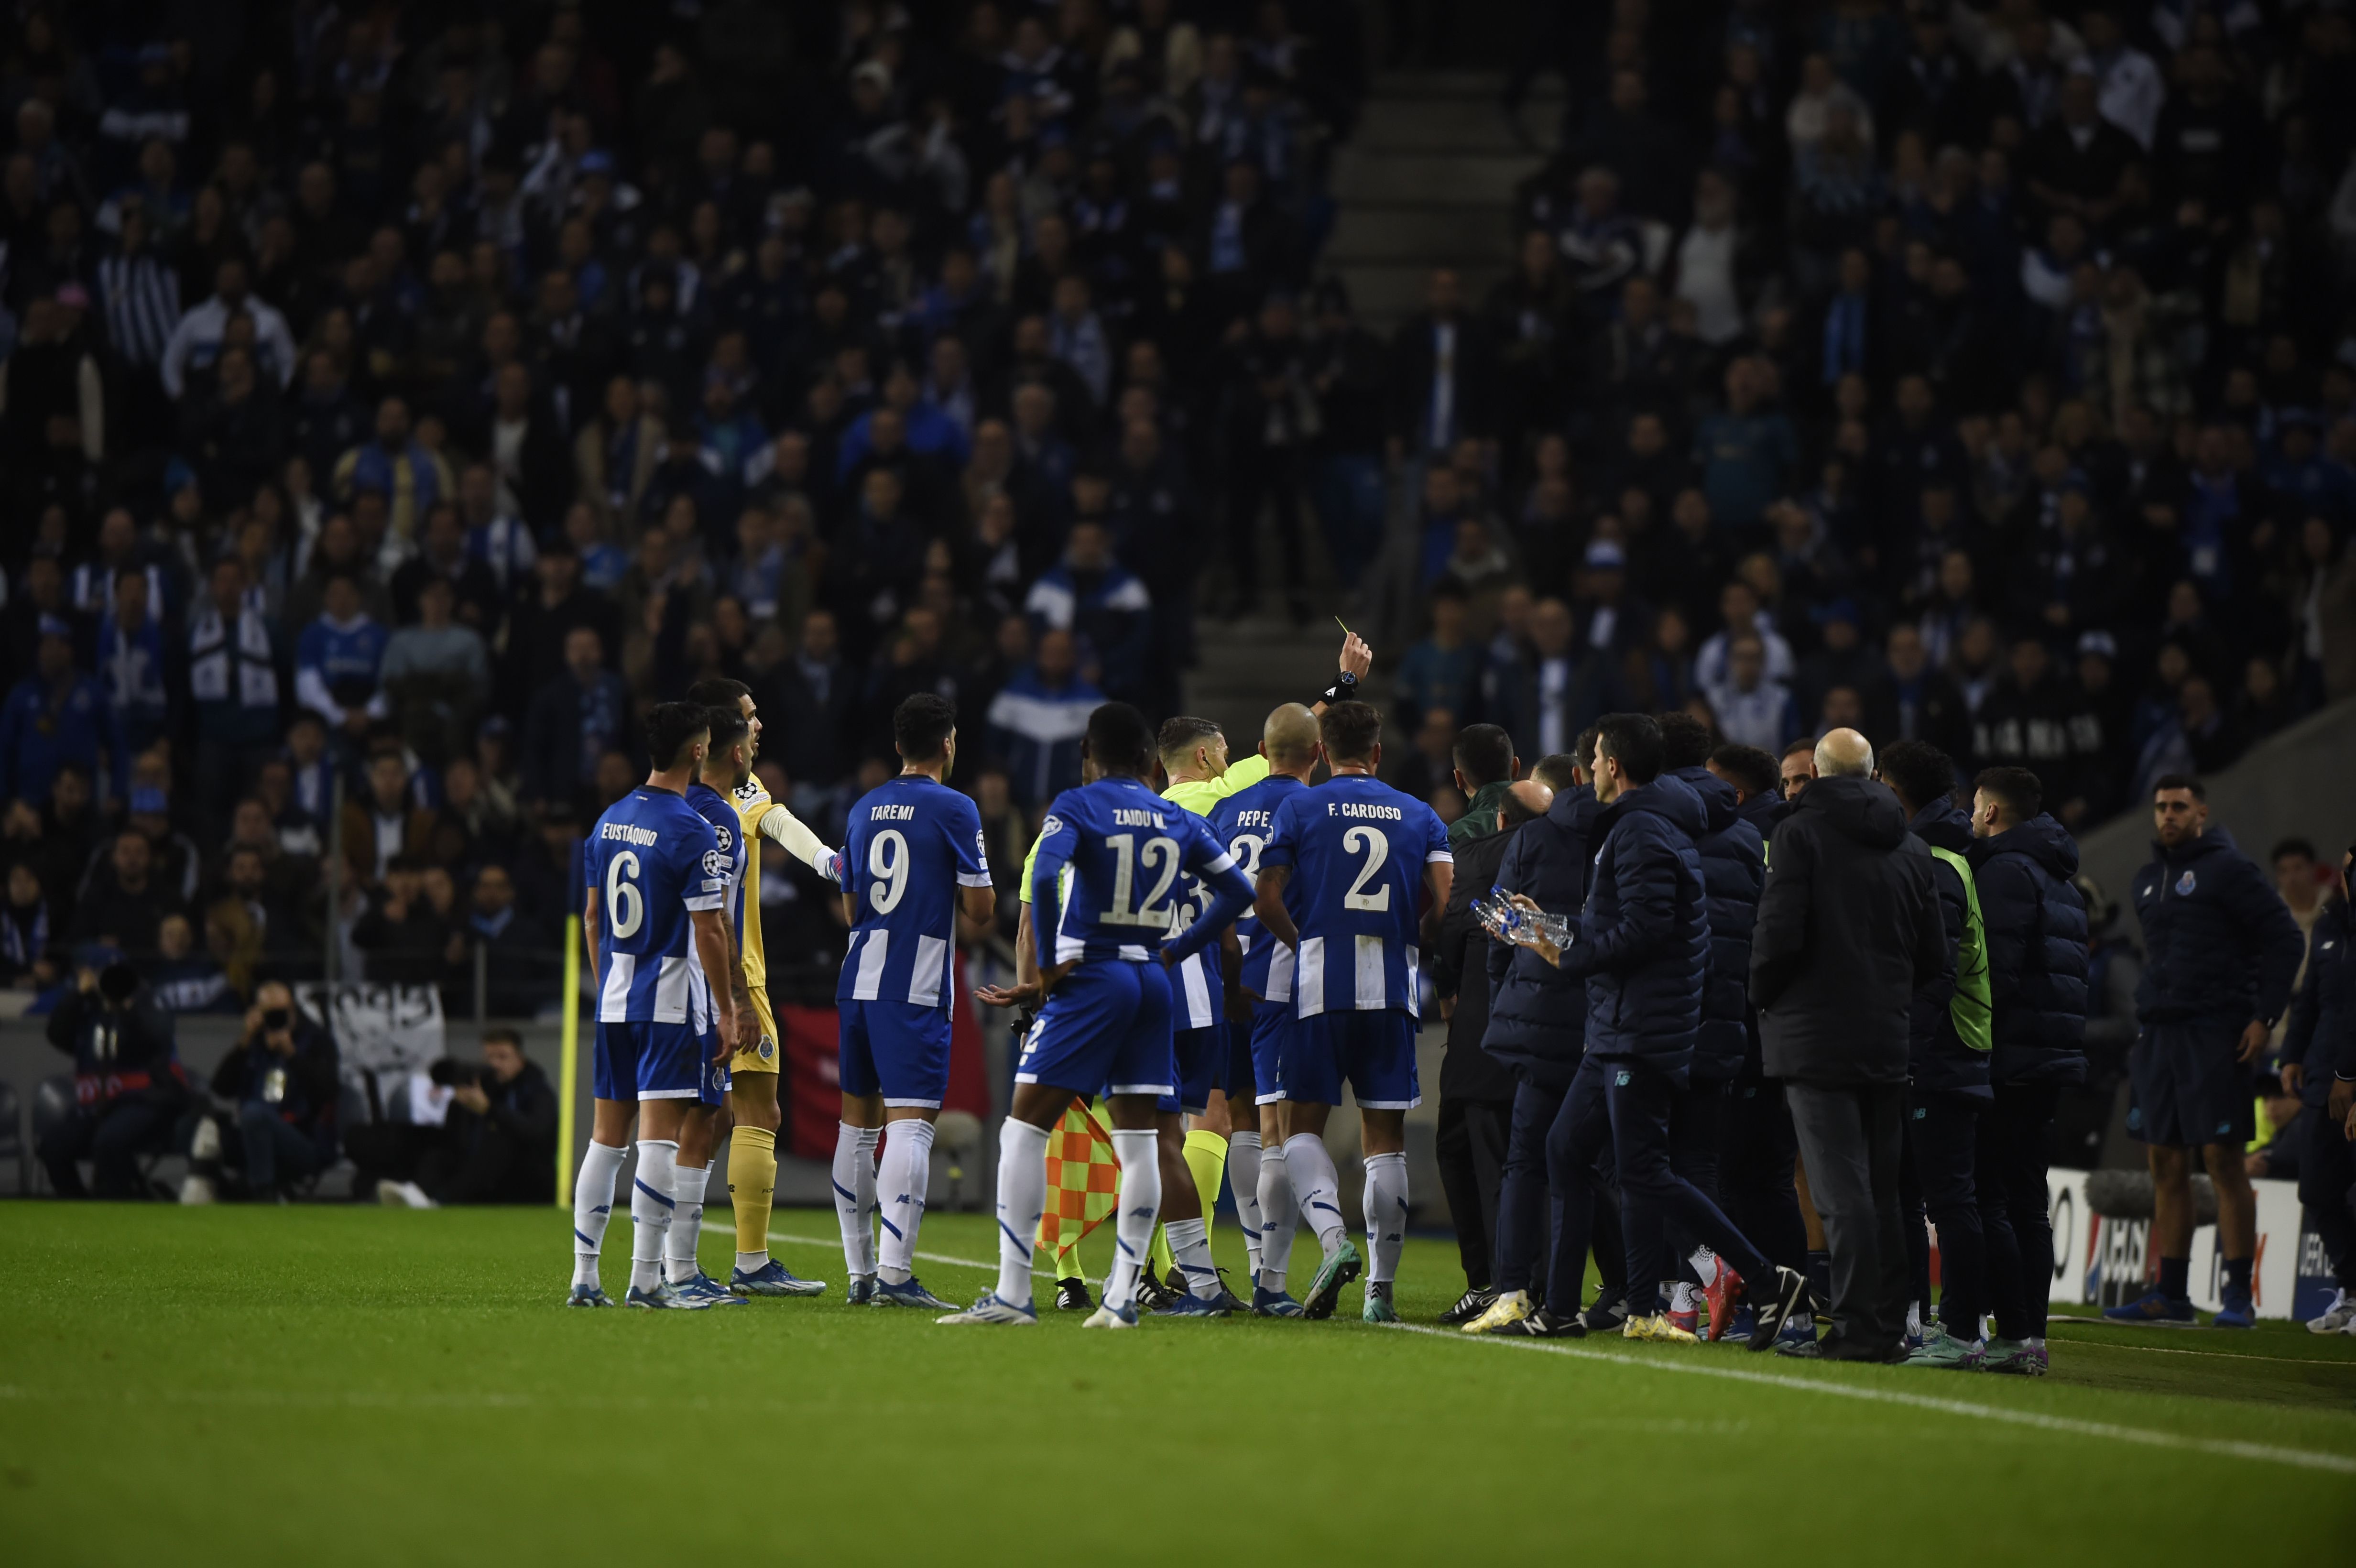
753, 1095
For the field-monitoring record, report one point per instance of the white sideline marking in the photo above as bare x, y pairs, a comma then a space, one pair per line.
836, 1243
2109, 1344
2266, 1453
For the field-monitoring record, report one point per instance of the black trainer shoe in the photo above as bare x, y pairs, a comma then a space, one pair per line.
1543, 1325
1072, 1296
1773, 1302
1469, 1306
1153, 1294
1604, 1316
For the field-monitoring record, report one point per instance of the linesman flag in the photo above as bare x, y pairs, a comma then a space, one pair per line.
1083, 1179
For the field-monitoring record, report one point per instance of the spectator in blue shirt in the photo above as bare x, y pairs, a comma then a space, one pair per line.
339, 658
1438, 670
1747, 455
1038, 720
573, 722
58, 715
1091, 595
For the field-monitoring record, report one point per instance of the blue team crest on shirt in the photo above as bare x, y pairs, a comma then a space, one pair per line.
2186, 883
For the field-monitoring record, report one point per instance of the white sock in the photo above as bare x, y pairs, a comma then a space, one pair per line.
1384, 1202
1684, 1296
1139, 1151
1190, 1243
854, 1194
900, 1181
1319, 1187
752, 1263
651, 1207
1243, 1181
1022, 1198
593, 1205
1280, 1217
686, 1222
1707, 1266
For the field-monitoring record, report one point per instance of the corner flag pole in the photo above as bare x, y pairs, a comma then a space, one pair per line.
571, 1073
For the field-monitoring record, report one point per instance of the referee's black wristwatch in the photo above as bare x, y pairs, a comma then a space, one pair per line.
1343, 689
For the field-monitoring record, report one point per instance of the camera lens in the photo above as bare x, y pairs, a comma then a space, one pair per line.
276, 1017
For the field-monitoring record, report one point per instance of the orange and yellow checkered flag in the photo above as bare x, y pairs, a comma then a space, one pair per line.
1083, 1179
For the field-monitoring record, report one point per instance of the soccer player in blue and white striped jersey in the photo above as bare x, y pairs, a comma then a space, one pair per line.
1105, 1027
1361, 852
913, 867
654, 919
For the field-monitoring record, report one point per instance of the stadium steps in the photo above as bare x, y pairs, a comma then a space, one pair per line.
1429, 181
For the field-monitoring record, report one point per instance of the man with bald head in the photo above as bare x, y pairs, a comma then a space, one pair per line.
1848, 926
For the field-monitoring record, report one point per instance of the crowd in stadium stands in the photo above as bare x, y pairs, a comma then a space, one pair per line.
399, 398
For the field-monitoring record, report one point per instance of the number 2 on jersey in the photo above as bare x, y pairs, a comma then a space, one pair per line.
1127, 857
1376, 849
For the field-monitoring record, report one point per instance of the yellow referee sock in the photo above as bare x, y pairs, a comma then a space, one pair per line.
752, 1188
1161, 1256
1206, 1158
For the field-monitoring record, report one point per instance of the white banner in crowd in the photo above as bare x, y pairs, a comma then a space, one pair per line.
381, 1028
2101, 1260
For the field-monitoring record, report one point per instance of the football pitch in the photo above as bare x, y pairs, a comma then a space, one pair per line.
342, 1385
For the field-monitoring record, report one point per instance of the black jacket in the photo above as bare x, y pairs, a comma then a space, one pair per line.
1849, 927
1537, 1013
2220, 945
1733, 870
125, 1053
2036, 925
1937, 1059
2322, 1034
522, 1117
301, 1090
1460, 968
1643, 941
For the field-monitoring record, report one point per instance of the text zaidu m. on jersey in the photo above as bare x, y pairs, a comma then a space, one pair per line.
910, 844
1357, 849
1128, 847
654, 861
1245, 822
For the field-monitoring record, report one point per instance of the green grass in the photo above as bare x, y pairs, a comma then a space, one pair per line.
328, 1385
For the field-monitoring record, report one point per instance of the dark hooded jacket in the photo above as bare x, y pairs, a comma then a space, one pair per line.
2220, 946
1643, 943
1762, 811
1849, 927
1460, 968
1537, 1013
1937, 1059
1733, 870
2322, 1035
2036, 925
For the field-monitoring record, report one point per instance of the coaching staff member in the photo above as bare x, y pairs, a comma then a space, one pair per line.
1848, 926
2220, 952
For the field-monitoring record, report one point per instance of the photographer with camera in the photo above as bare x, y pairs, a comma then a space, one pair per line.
128, 1086
282, 1077
496, 1141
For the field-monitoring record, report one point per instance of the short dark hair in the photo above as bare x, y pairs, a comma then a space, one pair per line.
1556, 770
1633, 740
1685, 740
500, 1034
720, 692
672, 728
1120, 740
2292, 847
1484, 754
2017, 790
1182, 733
1351, 731
1583, 750
1749, 767
921, 726
1918, 771
2166, 781
727, 724
1804, 744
